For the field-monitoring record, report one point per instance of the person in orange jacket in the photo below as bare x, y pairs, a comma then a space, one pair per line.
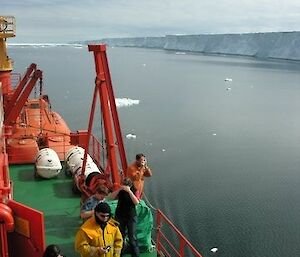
137, 171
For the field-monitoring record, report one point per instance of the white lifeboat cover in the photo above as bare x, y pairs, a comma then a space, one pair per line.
89, 168
74, 150
74, 157
47, 163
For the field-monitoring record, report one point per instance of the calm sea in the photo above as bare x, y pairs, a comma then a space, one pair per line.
225, 154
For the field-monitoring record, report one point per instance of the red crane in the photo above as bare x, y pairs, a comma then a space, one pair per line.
113, 135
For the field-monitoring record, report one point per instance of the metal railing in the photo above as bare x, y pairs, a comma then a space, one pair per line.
95, 148
163, 243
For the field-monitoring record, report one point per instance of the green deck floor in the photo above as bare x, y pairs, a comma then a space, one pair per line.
54, 197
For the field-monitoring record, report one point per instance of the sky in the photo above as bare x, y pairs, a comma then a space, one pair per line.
62, 21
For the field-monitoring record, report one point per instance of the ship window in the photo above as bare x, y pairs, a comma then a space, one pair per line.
34, 106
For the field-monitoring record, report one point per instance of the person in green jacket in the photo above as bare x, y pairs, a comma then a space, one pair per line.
99, 236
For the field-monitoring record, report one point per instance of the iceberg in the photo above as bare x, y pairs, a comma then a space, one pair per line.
131, 136
126, 102
214, 250
274, 45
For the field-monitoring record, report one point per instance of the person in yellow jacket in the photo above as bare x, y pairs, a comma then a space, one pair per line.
99, 236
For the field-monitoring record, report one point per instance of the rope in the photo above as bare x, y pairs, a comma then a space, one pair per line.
102, 137
154, 228
148, 202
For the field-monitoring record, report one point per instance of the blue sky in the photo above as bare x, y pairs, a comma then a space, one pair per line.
61, 21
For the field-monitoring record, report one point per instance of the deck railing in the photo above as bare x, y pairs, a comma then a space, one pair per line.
165, 246
95, 149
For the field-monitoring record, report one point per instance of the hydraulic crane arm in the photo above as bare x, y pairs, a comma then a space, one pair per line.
19, 104
20, 87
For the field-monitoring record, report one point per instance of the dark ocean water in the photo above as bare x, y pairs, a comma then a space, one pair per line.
225, 155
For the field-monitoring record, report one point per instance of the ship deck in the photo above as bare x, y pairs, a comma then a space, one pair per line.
55, 199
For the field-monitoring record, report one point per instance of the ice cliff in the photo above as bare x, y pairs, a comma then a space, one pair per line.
280, 45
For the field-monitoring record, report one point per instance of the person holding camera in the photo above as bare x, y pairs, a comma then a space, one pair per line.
99, 236
137, 171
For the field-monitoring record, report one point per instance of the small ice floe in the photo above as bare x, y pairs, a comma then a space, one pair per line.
163, 150
126, 102
214, 134
130, 136
180, 53
214, 250
229, 88
144, 64
228, 79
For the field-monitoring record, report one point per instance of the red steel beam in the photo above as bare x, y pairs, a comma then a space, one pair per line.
114, 112
106, 103
108, 129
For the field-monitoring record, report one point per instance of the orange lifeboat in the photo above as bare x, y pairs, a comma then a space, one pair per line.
22, 150
37, 127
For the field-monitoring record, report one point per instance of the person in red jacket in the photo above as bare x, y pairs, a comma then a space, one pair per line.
137, 171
